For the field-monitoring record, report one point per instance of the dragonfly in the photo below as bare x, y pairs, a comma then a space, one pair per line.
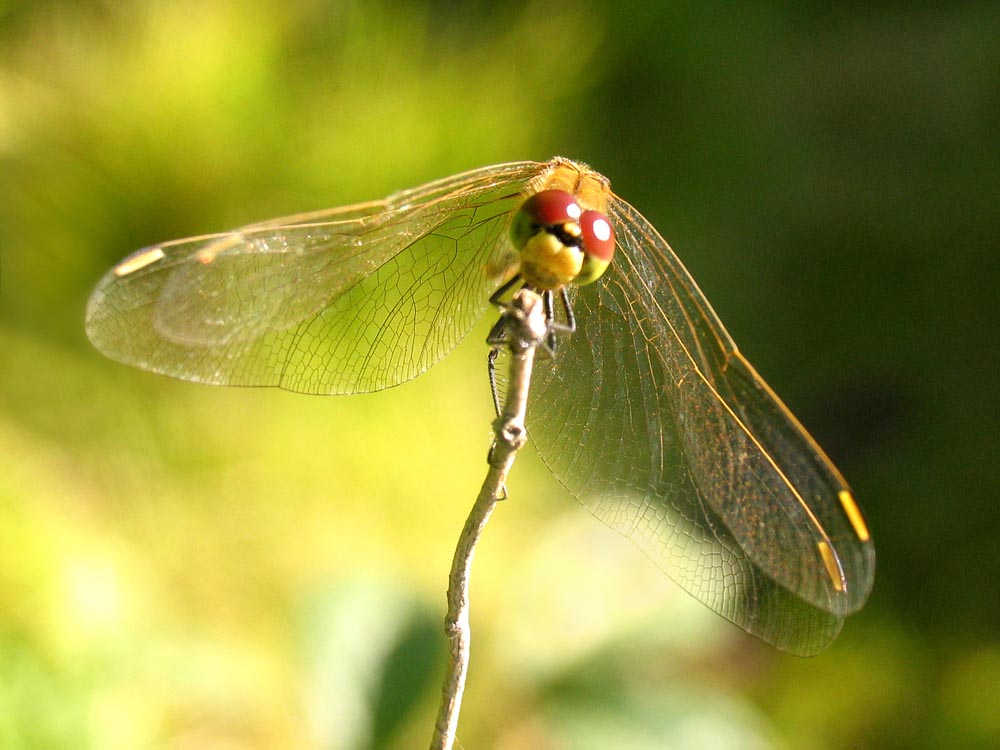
648, 413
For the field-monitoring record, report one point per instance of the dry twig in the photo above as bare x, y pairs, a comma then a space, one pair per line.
526, 327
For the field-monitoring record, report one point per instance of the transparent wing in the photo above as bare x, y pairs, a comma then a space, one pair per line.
655, 422
342, 301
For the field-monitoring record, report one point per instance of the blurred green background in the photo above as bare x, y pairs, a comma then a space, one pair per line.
192, 567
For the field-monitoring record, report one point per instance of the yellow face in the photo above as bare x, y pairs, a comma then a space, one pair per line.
547, 263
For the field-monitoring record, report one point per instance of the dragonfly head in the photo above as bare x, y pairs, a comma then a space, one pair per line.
560, 242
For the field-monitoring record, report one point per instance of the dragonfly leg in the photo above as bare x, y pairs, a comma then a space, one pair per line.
570, 326
497, 338
554, 326
550, 322
498, 333
491, 366
495, 297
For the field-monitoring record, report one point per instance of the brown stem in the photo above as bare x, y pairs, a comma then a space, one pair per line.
526, 327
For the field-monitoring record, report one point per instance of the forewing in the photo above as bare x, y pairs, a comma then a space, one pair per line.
650, 417
342, 301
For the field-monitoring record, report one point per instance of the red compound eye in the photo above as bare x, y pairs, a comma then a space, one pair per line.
552, 207
598, 237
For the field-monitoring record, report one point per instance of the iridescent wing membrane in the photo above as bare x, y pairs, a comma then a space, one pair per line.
664, 431
648, 414
342, 301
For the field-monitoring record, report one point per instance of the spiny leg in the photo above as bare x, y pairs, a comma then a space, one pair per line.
491, 366
502, 290
570, 326
550, 317
497, 337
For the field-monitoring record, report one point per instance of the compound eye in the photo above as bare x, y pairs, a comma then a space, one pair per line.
598, 237
598, 246
552, 207
549, 208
